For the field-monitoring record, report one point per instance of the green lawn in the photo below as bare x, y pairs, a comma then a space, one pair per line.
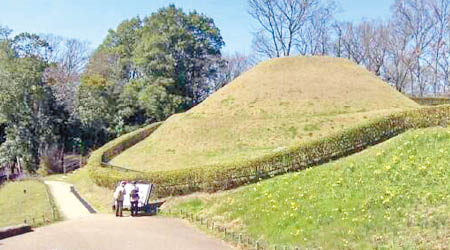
25, 200
392, 196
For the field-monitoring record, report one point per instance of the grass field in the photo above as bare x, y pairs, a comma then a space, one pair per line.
277, 104
25, 200
392, 196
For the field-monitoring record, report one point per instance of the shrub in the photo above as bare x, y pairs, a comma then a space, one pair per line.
431, 101
219, 177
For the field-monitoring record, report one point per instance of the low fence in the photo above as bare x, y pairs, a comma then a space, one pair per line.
431, 101
239, 239
74, 162
221, 177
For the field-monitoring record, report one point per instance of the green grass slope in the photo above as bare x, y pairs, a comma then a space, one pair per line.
392, 196
17, 205
279, 103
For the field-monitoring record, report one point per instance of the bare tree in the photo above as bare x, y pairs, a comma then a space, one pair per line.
399, 58
411, 50
236, 64
440, 43
281, 24
352, 46
314, 38
374, 39
414, 17
68, 58
337, 27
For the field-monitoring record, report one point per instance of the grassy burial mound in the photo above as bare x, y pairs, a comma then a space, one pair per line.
277, 104
392, 196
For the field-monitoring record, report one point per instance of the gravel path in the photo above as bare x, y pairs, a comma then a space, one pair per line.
98, 232
68, 204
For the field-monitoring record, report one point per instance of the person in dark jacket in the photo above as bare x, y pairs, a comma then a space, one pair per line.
134, 199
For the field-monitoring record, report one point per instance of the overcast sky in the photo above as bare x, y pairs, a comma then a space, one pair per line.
90, 19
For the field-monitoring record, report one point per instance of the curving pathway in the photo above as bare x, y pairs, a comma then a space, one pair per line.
86, 231
68, 204
98, 232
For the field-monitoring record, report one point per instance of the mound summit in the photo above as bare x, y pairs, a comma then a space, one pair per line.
277, 104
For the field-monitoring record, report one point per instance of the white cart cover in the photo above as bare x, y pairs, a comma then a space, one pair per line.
144, 194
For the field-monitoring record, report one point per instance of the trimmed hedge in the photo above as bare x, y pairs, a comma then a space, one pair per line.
431, 101
220, 177
111, 149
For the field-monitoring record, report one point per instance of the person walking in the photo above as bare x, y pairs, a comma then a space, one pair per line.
119, 194
134, 199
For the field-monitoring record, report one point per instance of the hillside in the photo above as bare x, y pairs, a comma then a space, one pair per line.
391, 196
277, 104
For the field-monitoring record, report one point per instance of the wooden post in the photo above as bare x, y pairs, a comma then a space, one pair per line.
19, 170
62, 159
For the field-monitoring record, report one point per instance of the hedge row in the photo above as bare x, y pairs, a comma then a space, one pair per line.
219, 177
101, 156
431, 101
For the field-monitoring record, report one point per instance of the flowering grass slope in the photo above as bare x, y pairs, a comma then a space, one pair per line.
394, 195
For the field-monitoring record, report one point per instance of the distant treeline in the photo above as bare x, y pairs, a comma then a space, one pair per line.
57, 97
410, 50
